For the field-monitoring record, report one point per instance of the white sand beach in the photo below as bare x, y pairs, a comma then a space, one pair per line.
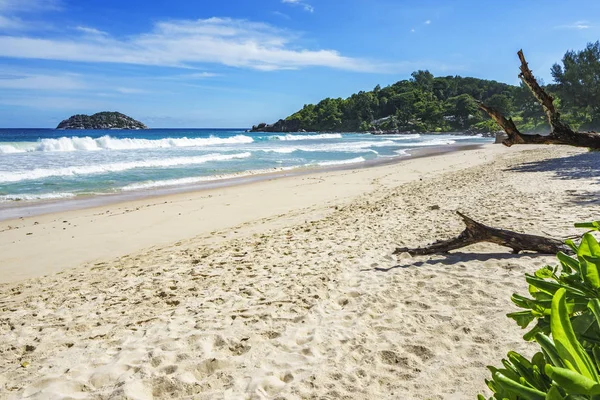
286, 288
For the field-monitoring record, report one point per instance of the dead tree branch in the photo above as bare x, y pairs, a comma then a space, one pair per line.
561, 133
476, 232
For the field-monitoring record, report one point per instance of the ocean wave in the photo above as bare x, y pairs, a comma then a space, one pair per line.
318, 136
477, 136
349, 147
87, 143
10, 149
434, 142
199, 179
403, 136
115, 167
341, 162
41, 196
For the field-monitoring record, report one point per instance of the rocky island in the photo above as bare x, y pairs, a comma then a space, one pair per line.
280, 126
101, 120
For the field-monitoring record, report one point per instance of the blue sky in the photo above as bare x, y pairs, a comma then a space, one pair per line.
233, 63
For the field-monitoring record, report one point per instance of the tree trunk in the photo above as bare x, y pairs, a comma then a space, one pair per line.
476, 232
561, 133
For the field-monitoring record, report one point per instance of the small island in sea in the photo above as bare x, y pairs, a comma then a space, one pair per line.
101, 120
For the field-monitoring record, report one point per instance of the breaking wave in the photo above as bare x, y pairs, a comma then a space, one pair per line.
198, 179
341, 162
318, 136
115, 167
87, 143
42, 196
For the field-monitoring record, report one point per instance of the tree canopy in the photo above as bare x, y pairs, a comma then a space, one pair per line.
578, 84
449, 103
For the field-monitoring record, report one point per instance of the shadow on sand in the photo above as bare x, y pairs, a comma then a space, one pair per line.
458, 257
580, 166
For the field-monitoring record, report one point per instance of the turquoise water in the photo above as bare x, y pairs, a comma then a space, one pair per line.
41, 164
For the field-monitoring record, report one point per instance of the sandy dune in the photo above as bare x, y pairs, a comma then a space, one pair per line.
299, 303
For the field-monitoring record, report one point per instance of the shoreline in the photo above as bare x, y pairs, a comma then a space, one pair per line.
24, 209
47, 243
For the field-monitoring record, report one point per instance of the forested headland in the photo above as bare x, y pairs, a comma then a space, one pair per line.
425, 103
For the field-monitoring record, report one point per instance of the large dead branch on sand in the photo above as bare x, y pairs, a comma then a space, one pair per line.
561, 133
476, 232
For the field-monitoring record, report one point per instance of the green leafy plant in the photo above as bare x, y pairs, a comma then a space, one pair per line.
566, 306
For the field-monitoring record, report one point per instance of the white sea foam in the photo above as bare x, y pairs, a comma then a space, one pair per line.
479, 135
41, 196
10, 149
434, 142
403, 136
110, 143
40, 173
320, 136
341, 162
199, 179
350, 147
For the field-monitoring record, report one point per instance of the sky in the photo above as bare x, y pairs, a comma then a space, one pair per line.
235, 63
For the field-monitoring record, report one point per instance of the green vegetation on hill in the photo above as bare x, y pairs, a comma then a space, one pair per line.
428, 103
101, 120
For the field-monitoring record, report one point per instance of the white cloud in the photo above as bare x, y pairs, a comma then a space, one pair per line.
11, 9
193, 76
305, 6
11, 23
187, 43
58, 102
575, 25
428, 22
30, 81
126, 90
412, 30
282, 15
91, 31
28, 5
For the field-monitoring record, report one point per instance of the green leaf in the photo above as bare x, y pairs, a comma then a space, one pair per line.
567, 346
553, 394
571, 244
515, 387
596, 353
538, 360
549, 349
552, 287
523, 318
545, 272
542, 326
540, 295
568, 260
588, 250
583, 324
594, 306
572, 382
511, 372
524, 367
506, 372
592, 265
594, 225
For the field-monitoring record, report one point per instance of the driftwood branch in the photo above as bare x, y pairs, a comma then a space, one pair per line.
561, 133
476, 232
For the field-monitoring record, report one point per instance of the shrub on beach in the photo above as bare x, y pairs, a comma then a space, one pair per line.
565, 303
